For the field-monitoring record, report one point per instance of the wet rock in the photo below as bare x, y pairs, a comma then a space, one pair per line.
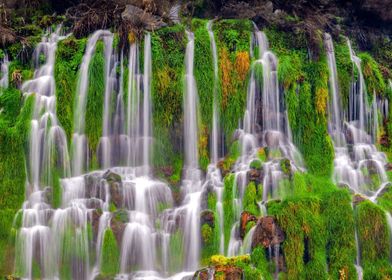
347, 187
118, 224
115, 187
246, 217
358, 198
207, 217
256, 176
272, 138
96, 214
207, 191
93, 182
388, 166
267, 233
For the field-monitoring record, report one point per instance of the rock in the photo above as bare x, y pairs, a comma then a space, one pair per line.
381, 9
118, 224
137, 17
96, 214
229, 272
115, 187
388, 166
358, 198
246, 217
256, 176
207, 217
267, 233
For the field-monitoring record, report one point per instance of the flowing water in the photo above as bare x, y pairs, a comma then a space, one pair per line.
80, 153
4, 65
358, 164
271, 128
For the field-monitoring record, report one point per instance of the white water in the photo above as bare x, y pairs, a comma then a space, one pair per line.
273, 129
80, 157
357, 162
4, 72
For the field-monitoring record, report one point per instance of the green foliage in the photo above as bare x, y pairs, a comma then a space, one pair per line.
373, 233
374, 80
304, 246
110, 254
95, 97
228, 208
69, 56
168, 48
345, 70
305, 86
233, 43
251, 196
259, 260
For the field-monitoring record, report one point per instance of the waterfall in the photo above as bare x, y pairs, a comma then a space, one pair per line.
356, 157
4, 65
146, 133
215, 113
274, 131
79, 140
48, 142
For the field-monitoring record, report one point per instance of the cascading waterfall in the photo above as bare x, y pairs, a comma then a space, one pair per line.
47, 152
274, 130
4, 65
213, 173
357, 161
79, 140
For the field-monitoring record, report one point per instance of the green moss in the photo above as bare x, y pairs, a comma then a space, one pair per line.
305, 85
95, 96
233, 43
176, 252
373, 233
259, 260
304, 245
345, 70
110, 254
168, 50
228, 211
68, 59
374, 80
251, 196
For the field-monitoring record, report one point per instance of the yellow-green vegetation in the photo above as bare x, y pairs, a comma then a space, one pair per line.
110, 255
69, 56
228, 208
374, 240
305, 84
373, 78
344, 68
95, 97
252, 195
233, 43
14, 128
244, 262
168, 51
210, 234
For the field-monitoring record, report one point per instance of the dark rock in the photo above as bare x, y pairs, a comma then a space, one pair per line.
358, 198
207, 217
118, 224
137, 17
256, 176
267, 233
246, 217
115, 187
96, 214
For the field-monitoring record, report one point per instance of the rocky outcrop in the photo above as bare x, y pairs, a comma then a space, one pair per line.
246, 217
115, 187
267, 233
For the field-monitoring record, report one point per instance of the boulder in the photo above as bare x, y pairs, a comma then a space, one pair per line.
207, 217
267, 233
115, 187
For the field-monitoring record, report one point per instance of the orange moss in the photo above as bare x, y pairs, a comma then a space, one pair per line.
226, 69
242, 64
